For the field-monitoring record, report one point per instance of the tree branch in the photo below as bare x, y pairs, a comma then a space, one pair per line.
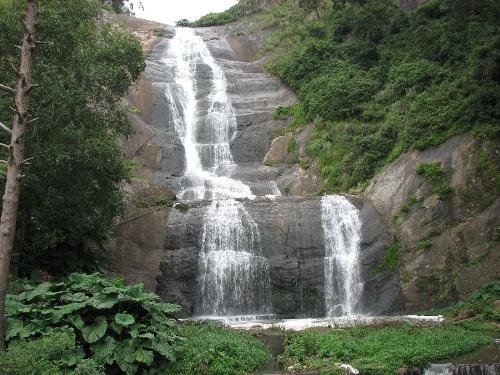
33, 120
7, 89
2, 126
5, 146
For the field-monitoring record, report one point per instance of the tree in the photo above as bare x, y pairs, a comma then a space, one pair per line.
71, 189
311, 4
16, 160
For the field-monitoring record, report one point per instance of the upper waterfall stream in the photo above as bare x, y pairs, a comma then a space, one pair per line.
234, 278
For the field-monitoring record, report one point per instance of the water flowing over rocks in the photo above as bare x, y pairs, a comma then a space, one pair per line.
251, 240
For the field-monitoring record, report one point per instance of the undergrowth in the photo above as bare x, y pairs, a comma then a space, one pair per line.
378, 81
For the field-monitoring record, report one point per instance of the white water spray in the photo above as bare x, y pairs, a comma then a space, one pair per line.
342, 228
234, 276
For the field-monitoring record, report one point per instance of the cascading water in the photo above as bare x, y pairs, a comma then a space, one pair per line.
234, 277
342, 228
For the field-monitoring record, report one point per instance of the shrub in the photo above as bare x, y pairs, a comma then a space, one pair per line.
44, 355
292, 145
413, 79
119, 327
391, 260
435, 176
381, 351
412, 74
215, 350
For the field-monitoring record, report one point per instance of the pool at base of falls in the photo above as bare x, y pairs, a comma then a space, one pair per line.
269, 321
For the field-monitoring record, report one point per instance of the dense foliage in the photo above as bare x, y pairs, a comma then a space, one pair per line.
116, 326
480, 304
241, 9
70, 189
379, 80
212, 349
90, 325
382, 350
471, 324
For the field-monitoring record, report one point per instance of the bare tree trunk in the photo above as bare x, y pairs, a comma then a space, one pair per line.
317, 13
15, 162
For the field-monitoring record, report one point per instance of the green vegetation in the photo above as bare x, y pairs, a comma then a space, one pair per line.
243, 8
409, 205
296, 111
379, 81
117, 326
292, 145
478, 306
382, 350
304, 163
133, 109
435, 176
44, 355
469, 325
89, 325
423, 245
156, 201
214, 350
70, 190
391, 260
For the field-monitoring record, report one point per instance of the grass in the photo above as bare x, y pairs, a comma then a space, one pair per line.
391, 260
435, 176
381, 351
470, 325
211, 349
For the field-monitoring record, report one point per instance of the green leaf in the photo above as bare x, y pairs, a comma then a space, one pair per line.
94, 332
104, 301
14, 328
124, 319
163, 346
144, 356
76, 320
103, 350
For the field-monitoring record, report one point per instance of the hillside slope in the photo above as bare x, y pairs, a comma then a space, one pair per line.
385, 90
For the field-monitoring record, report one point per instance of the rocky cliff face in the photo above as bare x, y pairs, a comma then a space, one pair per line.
448, 246
160, 246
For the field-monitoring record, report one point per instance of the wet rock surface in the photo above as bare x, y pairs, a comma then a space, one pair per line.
292, 240
162, 247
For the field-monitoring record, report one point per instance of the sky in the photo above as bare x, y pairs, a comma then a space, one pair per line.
169, 11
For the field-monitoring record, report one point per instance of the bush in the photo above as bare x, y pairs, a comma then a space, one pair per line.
412, 74
391, 261
381, 351
212, 349
434, 175
119, 327
44, 355
382, 81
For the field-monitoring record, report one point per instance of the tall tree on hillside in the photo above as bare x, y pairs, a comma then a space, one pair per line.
17, 146
311, 4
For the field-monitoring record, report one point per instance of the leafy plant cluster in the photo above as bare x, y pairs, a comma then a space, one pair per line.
120, 328
391, 260
478, 305
44, 355
435, 176
70, 190
378, 80
237, 11
382, 350
211, 349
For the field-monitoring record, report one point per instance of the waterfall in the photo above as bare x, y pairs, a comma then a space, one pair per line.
234, 276
341, 227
